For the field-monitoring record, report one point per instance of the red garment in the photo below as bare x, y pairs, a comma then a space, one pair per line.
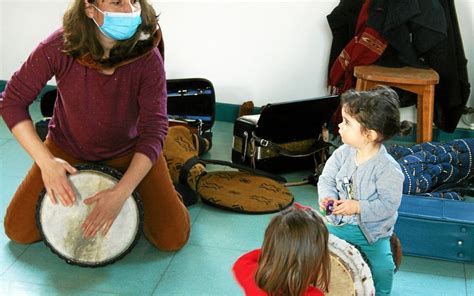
244, 271
364, 49
96, 116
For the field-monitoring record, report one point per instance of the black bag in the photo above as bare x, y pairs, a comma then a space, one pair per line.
46, 106
192, 102
285, 136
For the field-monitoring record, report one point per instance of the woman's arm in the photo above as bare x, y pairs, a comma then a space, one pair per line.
21, 90
53, 170
110, 202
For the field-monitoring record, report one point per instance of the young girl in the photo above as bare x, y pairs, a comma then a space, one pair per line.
363, 181
294, 259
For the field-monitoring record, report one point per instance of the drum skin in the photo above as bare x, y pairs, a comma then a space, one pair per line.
60, 226
350, 274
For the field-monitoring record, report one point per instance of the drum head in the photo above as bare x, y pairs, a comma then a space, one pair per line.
243, 192
61, 229
350, 274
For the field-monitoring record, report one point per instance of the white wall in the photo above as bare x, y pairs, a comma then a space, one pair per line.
266, 51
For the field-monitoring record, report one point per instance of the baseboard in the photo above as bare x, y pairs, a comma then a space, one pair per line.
3, 83
229, 112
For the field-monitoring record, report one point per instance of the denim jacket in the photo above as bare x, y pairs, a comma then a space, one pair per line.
377, 184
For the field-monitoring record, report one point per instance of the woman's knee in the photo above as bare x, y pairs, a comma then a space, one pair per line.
169, 243
18, 234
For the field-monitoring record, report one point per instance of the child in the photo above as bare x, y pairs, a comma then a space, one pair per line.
294, 258
363, 181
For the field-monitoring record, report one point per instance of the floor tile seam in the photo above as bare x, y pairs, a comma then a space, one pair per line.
106, 290
464, 275
15, 261
6, 142
465, 280
14, 176
63, 286
195, 218
163, 274
217, 247
432, 274
67, 286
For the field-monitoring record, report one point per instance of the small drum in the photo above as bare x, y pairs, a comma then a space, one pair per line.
350, 274
61, 228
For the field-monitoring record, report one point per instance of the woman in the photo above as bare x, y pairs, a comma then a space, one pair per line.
110, 109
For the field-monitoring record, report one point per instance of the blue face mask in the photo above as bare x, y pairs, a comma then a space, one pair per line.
119, 25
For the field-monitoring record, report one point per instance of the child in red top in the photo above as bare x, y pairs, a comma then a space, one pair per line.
294, 259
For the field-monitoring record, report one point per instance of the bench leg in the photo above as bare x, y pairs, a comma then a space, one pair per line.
360, 84
425, 109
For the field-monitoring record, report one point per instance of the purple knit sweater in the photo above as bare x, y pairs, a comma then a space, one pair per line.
96, 116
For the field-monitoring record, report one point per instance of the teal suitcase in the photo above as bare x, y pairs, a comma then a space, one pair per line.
436, 228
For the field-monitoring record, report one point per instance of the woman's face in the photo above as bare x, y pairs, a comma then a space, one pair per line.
126, 6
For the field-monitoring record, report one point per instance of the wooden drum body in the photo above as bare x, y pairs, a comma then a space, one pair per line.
350, 274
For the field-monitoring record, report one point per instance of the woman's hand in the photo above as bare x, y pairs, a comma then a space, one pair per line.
53, 172
108, 204
324, 202
346, 207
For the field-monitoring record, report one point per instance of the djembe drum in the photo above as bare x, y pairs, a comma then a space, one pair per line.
249, 192
350, 274
61, 230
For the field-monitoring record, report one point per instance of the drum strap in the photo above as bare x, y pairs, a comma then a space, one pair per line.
188, 165
186, 168
315, 147
240, 167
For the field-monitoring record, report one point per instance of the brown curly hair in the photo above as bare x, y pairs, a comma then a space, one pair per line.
80, 35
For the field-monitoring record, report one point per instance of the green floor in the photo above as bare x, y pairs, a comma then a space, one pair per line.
202, 267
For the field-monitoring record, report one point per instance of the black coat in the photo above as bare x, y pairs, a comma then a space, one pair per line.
342, 21
421, 33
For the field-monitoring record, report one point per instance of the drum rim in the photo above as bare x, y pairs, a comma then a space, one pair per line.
135, 195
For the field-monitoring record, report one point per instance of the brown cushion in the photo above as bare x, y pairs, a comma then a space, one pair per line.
243, 192
179, 147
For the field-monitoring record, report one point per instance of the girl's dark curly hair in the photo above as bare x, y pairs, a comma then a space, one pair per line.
376, 109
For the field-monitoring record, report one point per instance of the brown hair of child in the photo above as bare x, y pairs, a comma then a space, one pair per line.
294, 254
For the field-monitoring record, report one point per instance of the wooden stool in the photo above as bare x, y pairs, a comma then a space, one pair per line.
419, 81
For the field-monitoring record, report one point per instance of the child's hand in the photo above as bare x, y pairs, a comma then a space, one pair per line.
324, 202
346, 207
